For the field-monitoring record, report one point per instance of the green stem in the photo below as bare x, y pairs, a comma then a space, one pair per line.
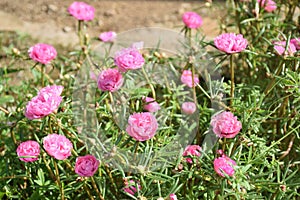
96, 188
193, 84
79, 32
150, 84
42, 74
58, 181
232, 80
88, 191
271, 84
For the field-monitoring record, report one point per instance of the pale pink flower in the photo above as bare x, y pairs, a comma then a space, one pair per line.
188, 108
186, 78
46, 102
192, 150
57, 146
82, 11
296, 43
109, 36
30, 150
268, 5
280, 48
150, 104
86, 165
230, 43
225, 165
42, 53
138, 45
173, 196
142, 126
129, 59
226, 125
110, 80
131, 187
192, 20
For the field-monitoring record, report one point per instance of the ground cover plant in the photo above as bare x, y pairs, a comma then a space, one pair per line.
122, 119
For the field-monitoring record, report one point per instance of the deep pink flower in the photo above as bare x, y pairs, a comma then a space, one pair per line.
268, 5
173, 196
29, 148
188, 108
128, 59
280, 48
225, 125
42, 53
86, 165
82, 11
230, 42
110, 80
186, 78
192, 20
142, 126
108, 36
192, 150
131, 187
57, 146
296, 43
46, 102
150, 104
223, 165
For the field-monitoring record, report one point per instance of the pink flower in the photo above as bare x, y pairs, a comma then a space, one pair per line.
225, 125
192, 150
82, 11
150, 104
280, 48
225, 165
86, 165
296, 43
186, 78
128, 59
30, 150
230, 42
173, 196
131, 187
46, 102
188, 108
142, 126
138, 45
42, 53
110, 80
57, 146
268, 5
192, 20
108, 36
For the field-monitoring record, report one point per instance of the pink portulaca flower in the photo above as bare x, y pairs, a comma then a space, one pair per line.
57, 146
110, 80
192, 20
130, 187
186, 78
28, 151
86, 165
296, 43
82, 11
225, 165
173, 196
268, 5
109, 36
129, 59
192, 150
46, 102
230, 43
42, 53
142, 126
225, 125
188, 108
150, 104
280, 48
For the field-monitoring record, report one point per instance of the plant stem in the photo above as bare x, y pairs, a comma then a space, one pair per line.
42, 74
96, 188
88, 191
58, 181
232, 80
194, 85
150, 84
271, 84
79, 32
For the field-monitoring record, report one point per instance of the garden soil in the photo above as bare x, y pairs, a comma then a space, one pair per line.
48, 20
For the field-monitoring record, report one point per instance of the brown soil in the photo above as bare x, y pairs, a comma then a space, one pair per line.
48, 20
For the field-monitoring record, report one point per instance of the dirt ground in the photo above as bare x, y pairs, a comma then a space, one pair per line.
48, 20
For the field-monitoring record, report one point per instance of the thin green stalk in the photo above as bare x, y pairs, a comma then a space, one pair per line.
149, 82
232, 80
96, 188
42, 74
58, 181
88, 191
278, 71
194, 85
79, 32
